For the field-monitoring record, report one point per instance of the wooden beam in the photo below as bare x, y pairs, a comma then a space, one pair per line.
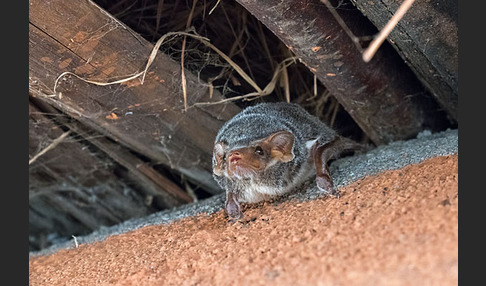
427, 39
155, 184
378, 95
79, 37
74, 189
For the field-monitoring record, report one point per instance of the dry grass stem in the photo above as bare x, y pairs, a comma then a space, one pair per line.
206, 42
160, 8
237, 68
343, 25
159, 42
128, 78
211, 90
285, 79
376, 43
253, 95
237, 43
216, 5
51, 146
334, 113
183, 75
153, 54
263, 40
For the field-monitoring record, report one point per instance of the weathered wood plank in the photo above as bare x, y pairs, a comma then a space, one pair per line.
155, 184
78, 36
72, 188
376, 94
427, 40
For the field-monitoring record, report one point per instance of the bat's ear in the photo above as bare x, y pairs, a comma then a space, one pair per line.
281, 144
218, 158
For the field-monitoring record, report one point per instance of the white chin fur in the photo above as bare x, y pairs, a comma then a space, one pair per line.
255, 193
242, 173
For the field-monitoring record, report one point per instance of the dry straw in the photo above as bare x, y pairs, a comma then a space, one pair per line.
51, 146
258, 91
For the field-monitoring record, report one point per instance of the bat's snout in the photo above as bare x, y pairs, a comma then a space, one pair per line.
234, 157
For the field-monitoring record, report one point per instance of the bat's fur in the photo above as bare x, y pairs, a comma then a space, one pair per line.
267, 149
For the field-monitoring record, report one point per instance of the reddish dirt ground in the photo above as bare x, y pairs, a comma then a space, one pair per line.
396, 228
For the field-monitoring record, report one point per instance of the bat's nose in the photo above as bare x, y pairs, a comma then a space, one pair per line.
234, 157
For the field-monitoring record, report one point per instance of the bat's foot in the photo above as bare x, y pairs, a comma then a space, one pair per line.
326, 185
233, 208
321, 155
231, 220
234, 217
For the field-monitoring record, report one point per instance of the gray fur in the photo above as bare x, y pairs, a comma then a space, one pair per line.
260, 121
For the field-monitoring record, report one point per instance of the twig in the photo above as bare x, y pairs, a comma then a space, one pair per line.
376, 43
51, 146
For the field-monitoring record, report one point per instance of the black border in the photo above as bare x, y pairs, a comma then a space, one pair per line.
14, 124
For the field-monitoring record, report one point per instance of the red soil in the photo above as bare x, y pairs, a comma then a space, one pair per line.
396, 228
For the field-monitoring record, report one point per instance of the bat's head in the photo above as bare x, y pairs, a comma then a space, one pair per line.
246, 162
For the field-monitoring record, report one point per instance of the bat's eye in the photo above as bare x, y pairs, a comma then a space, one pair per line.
259, 150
